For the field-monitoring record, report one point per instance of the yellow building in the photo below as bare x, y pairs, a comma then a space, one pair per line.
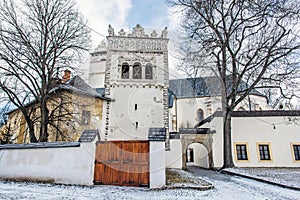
73, 107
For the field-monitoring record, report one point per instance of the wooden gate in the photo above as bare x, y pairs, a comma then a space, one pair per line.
122, 163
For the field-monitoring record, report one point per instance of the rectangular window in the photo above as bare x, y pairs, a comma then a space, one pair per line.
85, 119
241, 152
296, 149
135, 106
264, 152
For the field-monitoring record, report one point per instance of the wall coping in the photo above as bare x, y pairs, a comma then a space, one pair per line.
40, 145
263, 113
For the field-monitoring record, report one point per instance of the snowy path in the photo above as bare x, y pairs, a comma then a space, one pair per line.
233, 187
226, 188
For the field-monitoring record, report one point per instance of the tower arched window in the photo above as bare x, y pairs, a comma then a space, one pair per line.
125, 71
137, 71
149, 71
241, 109
200, 115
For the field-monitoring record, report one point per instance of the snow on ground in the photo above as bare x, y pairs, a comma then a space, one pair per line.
284, 176
226, 188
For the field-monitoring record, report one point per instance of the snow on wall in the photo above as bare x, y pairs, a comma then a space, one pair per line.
67, 165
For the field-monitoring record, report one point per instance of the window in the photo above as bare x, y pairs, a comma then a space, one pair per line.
125, 71
264, 152
241, 109
137, 71
296, 150
136, 125
149, 71
241, 152
200, 115
135, 106
86, 115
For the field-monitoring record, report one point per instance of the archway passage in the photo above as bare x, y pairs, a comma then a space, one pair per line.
197, 155
201, 146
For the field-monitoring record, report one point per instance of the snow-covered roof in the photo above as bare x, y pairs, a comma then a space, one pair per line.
202, 87
74, 85
79, 86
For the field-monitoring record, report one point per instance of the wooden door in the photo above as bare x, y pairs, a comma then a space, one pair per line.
122, 163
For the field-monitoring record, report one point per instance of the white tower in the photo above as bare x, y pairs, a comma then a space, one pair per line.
97, 66
136, 80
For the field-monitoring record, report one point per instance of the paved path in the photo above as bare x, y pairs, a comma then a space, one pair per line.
239, 185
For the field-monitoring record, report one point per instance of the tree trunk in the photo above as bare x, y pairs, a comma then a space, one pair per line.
44, 122
32, 137
228, 161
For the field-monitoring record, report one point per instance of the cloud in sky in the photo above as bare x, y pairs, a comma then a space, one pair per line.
151, 14
100, 13
124, 14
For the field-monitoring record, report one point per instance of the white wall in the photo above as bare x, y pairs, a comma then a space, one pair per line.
254, 130
67, 165
261, 130
157, 164
187, 108
123, 116
174, 156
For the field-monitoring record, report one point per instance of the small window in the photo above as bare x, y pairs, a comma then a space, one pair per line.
125, 71
137, 71
149, 71
135, 106
264, 152
296, 149
200, 115
86, 115
241, 152
136, 125
241, 109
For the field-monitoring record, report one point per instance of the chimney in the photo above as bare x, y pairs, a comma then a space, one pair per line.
66, 76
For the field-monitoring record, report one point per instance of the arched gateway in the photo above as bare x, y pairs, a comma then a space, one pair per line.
202, 136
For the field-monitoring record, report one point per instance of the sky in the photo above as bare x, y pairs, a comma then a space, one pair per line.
125, 14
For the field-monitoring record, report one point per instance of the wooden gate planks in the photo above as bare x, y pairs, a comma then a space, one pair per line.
122, 163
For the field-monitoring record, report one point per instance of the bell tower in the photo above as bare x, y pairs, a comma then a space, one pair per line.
136, 79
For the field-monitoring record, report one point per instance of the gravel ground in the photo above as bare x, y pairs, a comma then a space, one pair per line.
177, 178
285, 176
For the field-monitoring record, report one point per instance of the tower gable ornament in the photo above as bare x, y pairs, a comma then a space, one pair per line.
138, 31
154, 34
122, 32
164, 33
111, 31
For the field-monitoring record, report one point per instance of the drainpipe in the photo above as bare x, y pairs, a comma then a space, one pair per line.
176, 122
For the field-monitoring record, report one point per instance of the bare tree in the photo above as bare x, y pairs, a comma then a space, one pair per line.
39, 39
3, 110
243, 41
